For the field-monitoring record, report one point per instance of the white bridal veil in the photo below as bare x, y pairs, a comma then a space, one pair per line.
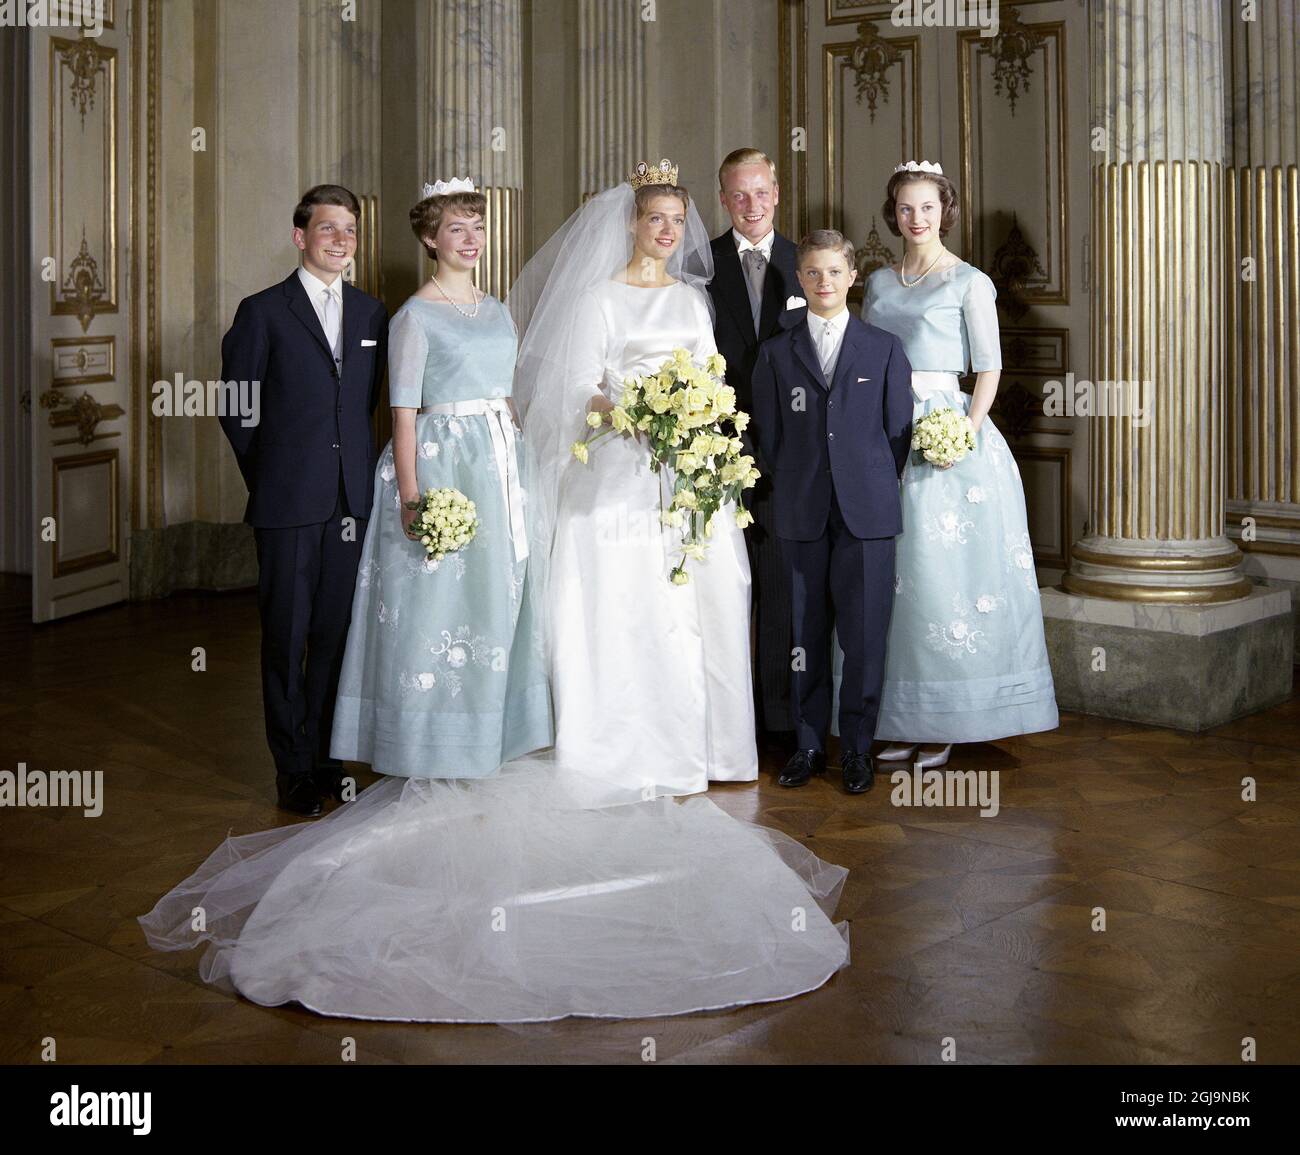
551, 302
517, 898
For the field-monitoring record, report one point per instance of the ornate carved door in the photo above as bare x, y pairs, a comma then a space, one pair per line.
994, 110
80, 330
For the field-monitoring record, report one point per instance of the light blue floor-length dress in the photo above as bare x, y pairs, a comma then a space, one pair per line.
444, 674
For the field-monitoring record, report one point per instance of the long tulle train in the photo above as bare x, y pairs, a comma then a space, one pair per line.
509, 900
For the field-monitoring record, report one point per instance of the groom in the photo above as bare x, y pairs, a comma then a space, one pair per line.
833, 415
317, 348
752, 280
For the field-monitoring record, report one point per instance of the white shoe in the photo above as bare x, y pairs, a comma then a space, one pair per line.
896, 752
933, 761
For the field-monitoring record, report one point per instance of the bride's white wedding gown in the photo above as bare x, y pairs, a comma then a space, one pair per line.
550, 889
651, 680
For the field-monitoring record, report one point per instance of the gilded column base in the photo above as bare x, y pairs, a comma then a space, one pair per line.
1202, 572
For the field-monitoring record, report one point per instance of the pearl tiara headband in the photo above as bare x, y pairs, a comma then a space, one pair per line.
442, 188
921, 166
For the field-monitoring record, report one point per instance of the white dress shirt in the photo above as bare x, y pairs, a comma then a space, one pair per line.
827, 337
316, 291
744, 244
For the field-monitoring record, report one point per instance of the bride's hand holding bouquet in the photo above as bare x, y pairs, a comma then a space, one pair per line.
691, 425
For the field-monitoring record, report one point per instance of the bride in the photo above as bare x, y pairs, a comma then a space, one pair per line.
651, 680
573, 882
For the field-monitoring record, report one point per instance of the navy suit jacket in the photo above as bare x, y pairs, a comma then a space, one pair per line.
314, 420
733, 322
848, 438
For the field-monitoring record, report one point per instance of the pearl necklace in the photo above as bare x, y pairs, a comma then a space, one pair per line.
477, 300
902, 267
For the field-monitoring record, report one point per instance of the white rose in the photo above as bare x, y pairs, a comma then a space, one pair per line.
975, 495
424, 681
958, 630
985, 603
457, 656
429, 449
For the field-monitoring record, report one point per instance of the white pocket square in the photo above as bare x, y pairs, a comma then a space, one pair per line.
861, 379
366, 344
796, 303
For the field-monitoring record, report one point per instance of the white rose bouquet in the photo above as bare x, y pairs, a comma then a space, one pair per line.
943, 436
445, 521
691, 425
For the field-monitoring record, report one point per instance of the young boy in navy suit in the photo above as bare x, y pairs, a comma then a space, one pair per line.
832, 411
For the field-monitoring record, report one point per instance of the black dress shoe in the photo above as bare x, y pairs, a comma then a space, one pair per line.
299, 794
858, 771
330, 779
803, 765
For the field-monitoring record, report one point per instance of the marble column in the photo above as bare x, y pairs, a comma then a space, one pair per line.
340, 110
470, 87
1262, 209
612, 96
1150, 583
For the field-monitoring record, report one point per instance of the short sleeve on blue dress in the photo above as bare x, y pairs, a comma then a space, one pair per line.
408, 353
980, 315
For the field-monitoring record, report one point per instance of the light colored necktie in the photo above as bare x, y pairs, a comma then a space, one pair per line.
755, 269
330, 317
825, 349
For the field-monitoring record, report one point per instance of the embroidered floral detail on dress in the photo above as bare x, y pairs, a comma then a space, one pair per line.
948, 527
429, 449
975, 495
957, 636
1021, 557
987, 603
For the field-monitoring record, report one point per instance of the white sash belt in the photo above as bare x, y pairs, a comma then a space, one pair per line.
501, 429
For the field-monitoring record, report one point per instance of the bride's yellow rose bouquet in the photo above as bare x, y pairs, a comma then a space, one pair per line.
688, 417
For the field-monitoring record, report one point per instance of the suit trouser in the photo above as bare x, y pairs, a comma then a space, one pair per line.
306, 578
771, 596
847, 583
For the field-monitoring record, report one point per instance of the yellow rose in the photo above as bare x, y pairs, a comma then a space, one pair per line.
741, 421
579, 450
619, 419
717, 364
679, 577
594, 420
744, 518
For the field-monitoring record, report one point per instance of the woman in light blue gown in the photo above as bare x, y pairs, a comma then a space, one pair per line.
966, 660
444, 675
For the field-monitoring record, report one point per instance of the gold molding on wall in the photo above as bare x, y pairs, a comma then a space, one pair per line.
1058, 197
874, 9
833, 56
82, 361
81, 287
1060, 456
109, 457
